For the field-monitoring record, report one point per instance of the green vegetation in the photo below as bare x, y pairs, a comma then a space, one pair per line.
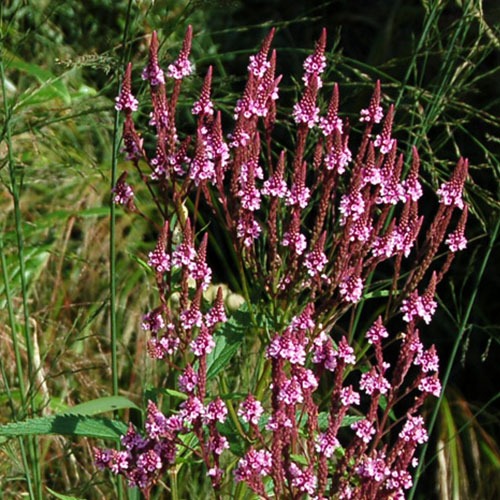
70, 310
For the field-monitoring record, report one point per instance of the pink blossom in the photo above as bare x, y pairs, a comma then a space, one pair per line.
456, 241
153, 321
188, 380
306, 111
348, 396
287, 346
364, 430
248, 228
414, 430
430, 385
375, 467
304, 480
152, 72
427, 360
251, 410
327, 444
191, 317
351, 205
204, 106
218, 444
216, 411
346, 352
374, 113
169, 344
298, 195
204, 342
182, 67
253, 463
351, 289
372, 381
291, 392
191, 410
377, 332
324, 353
123, 194
126, 101
217, 314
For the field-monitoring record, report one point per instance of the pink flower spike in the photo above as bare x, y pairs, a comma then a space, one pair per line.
427, 303
348, 396
204, 106
430, 385
182, 67
216, 411
364, 430
346, 352
316, 260
412, 186
251, 410
377, 332
339, 155
275, 186
125, 101
414, 430
427, 360
158, 259
351, 289
188, 380
456, 240
217, 313
248, 228
293, 238
384, 140
331, 121
306, 111
374, 113
258, 63
123, 194
153, 321
204, 343
450, 193
315, 64
299, 193
152, 72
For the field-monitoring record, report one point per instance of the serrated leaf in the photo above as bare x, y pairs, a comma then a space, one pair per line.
67, 425
346, 421
227, 341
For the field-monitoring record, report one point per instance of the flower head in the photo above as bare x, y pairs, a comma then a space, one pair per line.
182, 67
125, 101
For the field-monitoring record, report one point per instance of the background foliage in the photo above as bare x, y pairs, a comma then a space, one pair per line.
437, 60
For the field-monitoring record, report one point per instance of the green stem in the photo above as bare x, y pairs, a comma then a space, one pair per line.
112, 238
19, 368
458, 342
30, 401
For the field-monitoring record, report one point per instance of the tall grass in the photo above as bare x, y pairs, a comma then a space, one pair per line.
69, 323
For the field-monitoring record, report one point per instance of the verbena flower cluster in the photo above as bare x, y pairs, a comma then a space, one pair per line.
309, 227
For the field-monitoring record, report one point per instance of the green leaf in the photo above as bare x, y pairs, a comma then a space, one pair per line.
346, 421
102, 405
52, 87
61, 496
227, 341
175, 394
68, 425
383, 404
